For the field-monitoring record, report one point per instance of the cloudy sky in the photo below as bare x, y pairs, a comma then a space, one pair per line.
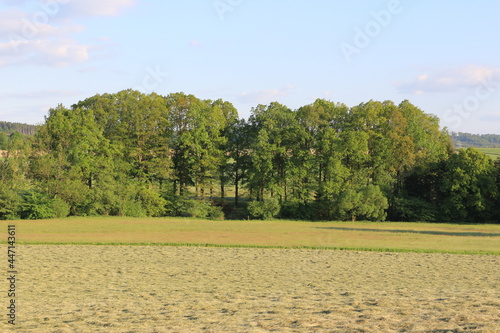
443, 56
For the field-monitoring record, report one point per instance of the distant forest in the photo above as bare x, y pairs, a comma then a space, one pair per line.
465, 140
8, 127
135, 154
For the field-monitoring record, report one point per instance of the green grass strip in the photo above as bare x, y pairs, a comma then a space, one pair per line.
362, 249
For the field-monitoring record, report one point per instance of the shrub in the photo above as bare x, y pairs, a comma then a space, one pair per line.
215, 213
60, 208
10, 204
152, 203
264, 210
297, 210
132, 209
369, 203
36, 206
413, 209
189, 207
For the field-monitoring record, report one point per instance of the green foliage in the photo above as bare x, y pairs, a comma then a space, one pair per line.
297, 209
10, 204
37, 206
151, 202
466, 140
264, 210
191, 207
215, 213
60, 208
413, 209
8, 127
4, 139
469, 187
369, 203
118, 154
132, 209
462, 188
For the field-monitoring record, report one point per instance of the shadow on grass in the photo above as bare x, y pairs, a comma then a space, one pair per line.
438, 233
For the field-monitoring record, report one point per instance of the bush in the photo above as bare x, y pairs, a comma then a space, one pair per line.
297, 210
10, 204
152, 203
60, 208
413, 209
132, 209
369, 203
215, 213
189, 207
36, 206
264, 210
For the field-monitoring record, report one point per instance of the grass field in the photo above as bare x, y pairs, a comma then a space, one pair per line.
74, 288
492, 152
418, 237
260, 284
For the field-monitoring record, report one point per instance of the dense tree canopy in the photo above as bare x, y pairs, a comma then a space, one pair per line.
139, 154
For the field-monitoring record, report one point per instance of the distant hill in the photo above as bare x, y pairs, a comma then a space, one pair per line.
465, 140
7, 127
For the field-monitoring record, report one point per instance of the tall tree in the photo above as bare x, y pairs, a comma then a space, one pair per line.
239, 137
272, 149
71, 158
198, 138
469, 187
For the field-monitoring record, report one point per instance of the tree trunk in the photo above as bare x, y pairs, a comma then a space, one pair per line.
236, 187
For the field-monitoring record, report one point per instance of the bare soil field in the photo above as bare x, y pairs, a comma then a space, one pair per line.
87, 288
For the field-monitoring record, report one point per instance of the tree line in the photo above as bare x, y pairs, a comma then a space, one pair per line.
9, 128
465, 140
136, 154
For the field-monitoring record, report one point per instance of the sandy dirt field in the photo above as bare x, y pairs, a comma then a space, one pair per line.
63, 288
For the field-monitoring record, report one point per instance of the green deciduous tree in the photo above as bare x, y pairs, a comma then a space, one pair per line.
468, 187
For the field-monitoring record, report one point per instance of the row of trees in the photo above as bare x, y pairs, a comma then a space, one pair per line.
475, 140
150, 155
8, 127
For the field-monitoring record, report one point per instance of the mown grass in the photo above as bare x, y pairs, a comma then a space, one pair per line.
145, 289
359, 236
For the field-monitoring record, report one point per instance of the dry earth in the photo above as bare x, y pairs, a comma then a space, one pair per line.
63, 288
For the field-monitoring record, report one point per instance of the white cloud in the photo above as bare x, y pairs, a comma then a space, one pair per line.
19, 25
265, 96
327, 95
195, 43
52, 53
49, 93
73, 8
45, 35
450, 80
97, 7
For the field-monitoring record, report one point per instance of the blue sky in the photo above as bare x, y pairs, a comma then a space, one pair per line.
443, 56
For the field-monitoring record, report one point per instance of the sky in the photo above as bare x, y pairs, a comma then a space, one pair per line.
442, 56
